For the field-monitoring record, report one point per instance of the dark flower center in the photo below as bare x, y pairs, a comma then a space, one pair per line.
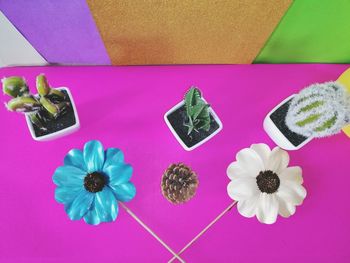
94, 182
268, 181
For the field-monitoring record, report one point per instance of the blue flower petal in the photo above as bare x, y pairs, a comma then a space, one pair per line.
91, 217
94, 156
118, 174
124, 192
113, 156
69, 176
106, 205
66, 195
104, 208
80, 205
75, 158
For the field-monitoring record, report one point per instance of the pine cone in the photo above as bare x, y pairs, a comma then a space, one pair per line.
179, 183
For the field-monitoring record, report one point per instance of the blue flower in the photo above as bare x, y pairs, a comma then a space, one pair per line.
92, 181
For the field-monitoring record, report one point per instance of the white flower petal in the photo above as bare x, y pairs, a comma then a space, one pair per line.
234, 170
248, 207
285, 209
291, 192
242, 188
293, 174
267, 209
278, 160
250, 161
263, 150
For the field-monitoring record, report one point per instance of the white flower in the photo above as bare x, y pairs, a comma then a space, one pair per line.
263, 184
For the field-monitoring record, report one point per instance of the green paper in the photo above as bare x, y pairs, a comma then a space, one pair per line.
312, 31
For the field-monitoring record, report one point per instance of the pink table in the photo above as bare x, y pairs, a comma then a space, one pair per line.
123, 107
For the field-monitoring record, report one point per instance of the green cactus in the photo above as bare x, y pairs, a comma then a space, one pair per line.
44, 89
23, 104
319, 110
42, 85
15, 86
197, 111
48, 105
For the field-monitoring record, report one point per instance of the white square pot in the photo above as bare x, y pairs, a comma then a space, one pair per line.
180, 104
59, 133
276, 135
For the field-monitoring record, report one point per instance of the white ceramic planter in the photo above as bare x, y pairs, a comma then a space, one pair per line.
59, 133
276, 135
180, 104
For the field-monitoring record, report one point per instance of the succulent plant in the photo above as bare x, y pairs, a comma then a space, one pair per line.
179, 183
319, 110
49, 104
197, 111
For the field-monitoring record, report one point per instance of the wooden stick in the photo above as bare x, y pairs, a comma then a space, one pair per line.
204, 230
176, 256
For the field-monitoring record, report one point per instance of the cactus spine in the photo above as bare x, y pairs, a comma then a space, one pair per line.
197, 111
319, 110
49, 103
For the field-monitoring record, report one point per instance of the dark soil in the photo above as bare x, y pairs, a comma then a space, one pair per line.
177, 119
62, 122
278, 117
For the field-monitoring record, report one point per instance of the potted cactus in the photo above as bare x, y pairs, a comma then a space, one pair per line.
50, 114
193, 121
319, 110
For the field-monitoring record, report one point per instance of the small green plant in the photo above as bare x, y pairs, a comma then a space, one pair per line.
197, 111
319, 110
48, 105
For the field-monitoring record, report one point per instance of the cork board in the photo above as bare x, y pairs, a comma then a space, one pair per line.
186, 31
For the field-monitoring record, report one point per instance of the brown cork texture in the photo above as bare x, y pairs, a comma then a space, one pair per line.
137, 32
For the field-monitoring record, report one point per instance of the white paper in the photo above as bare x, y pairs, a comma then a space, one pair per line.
15, 50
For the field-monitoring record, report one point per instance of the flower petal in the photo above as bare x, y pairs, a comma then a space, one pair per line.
263, 150
285, 209
293, 174
118, 174
124, 192
94, 156
103, 209
75, 158
248, 207
113, 156
267, 209
80, 205
106, 205
250, 161
234, 171
69, 176
66, 195
91, 217
278, 160
291, 192
242, 188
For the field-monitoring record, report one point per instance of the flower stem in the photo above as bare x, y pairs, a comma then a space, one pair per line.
176, 256
204, 230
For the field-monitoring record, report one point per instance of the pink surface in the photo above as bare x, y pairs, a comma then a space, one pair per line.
123, 107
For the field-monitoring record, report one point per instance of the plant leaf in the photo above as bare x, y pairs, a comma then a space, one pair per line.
204, 124
192, 97
49, 106
41, 85
200, 111
35, 119
197, 111
14, 86
23, 104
